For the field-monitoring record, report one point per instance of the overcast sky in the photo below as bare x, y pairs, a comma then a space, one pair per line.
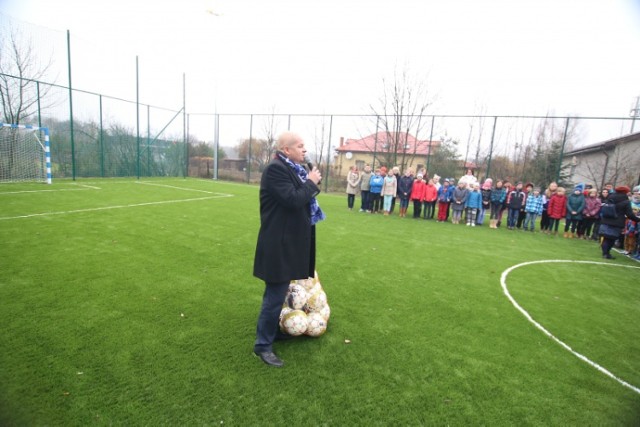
502, 57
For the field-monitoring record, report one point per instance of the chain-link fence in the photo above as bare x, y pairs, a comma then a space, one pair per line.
94, 134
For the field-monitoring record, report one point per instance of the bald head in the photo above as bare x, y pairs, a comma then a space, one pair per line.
292, 146
287, 139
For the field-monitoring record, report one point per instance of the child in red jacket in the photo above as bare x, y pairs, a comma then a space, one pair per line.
417, 195
429, 201
557, 210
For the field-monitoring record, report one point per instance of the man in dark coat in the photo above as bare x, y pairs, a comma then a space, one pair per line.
611, 227
286, 242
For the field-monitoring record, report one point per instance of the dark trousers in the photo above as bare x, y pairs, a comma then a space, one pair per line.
376, 202
350, 199
364, 200
429, 208
607, 244
584, 228
572, 224
272, 300
521, 217
596, 228
495, 210
544, 220
512, 218
417, 207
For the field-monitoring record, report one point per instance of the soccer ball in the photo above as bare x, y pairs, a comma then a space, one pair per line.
307, 284
315, 288
294, 323
316, 325
296, 297
325, 312
285, 310
316, 301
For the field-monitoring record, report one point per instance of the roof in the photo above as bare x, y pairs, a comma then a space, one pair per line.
376, 142
605, 145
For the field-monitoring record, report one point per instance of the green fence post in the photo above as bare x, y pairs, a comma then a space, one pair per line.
101, 140
137, 120
148, 140
250, 138
39, 111
564, 141
73, 147
184, 124
326, 181
433, 119
493, 134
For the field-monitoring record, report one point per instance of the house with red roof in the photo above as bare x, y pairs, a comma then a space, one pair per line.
384, 149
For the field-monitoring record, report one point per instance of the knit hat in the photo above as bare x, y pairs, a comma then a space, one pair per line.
487, 184
420, 175
536, 189
636, 189
623, 189
579, 187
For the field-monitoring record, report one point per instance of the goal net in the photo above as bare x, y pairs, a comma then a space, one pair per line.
24, 153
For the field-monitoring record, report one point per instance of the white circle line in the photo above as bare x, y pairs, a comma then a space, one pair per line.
503, 282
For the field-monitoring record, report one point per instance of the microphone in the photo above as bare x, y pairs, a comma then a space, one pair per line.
310, 165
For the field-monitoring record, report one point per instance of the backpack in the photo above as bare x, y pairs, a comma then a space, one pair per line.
608, 210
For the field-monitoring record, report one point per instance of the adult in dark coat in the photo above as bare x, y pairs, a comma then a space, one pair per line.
286, 241
611, 228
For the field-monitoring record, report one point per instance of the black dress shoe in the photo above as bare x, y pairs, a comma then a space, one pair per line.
608, 256
270, 358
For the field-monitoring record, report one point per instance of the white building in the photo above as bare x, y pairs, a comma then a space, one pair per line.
616, 161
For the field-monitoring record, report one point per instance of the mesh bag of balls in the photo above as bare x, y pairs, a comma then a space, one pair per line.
305, 310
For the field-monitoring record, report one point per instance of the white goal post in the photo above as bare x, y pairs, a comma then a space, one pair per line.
25, 154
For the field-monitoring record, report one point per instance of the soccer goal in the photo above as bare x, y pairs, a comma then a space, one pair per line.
24, 153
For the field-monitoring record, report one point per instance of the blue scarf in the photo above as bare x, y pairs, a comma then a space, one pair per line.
316, 213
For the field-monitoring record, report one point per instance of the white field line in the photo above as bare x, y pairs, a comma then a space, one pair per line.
175, 187
503, 282
218, 196
51, 191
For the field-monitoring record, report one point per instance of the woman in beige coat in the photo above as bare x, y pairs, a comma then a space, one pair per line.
353, 184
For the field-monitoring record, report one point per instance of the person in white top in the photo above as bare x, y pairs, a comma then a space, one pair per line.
469, 179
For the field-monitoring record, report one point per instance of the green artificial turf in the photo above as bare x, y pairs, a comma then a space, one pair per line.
132, 303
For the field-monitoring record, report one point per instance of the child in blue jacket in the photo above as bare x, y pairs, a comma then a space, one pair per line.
533, 209
473, 204
376, 182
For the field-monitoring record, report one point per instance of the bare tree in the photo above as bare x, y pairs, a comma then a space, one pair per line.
617, 166
401, 112
320, 141
21, 70
269, 142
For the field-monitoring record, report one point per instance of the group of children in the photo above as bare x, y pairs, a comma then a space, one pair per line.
524, 204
